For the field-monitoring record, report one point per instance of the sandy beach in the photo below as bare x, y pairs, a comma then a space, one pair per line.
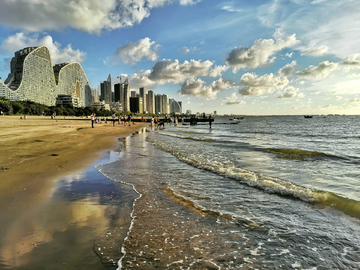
35, 154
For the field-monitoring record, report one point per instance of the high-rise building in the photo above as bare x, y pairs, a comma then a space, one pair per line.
164, 108
136, 105
117, 96
175, 107
126, 101
142, 94
158, 104
32, 77
106, 93
94, 95
133, 93
151, 102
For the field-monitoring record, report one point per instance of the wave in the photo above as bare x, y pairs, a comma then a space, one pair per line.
298, 153
186, 137
272, 185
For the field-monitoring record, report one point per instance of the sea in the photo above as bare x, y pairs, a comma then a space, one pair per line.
263, 192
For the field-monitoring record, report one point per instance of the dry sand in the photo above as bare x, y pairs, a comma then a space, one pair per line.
34, 153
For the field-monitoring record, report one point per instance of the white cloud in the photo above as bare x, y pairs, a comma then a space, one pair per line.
233, 99
58, 54
288, 69
231, 8
167, 71
317, 72
331, 23
184, 50
134, 52
197, 88
87, 15
141, 79
352, 61
354, 100
317, 51
255, 85
217, 71
291, 92
260, 54
279, 33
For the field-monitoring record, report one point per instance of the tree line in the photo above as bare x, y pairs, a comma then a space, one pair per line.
8, 107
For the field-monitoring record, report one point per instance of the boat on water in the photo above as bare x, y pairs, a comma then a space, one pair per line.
308, 116
236, 118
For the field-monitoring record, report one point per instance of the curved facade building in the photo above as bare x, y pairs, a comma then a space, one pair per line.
34, 78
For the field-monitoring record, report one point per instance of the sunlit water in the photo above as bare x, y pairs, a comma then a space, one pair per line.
269, 193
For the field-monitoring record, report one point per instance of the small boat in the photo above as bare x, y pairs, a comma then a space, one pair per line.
236, 118
308, 116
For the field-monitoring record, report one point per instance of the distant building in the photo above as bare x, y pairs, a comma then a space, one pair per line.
71, 100
101, 105
126, 101
32, 77
174, 106
106, 93
142, 94
116, 106
151, 102
136, 105
188, 112
95, 95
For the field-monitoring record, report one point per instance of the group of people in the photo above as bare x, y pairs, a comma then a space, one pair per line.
119, 118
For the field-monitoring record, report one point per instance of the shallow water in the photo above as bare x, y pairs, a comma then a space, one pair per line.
268, 193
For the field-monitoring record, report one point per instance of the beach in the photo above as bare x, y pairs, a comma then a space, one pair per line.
38, 156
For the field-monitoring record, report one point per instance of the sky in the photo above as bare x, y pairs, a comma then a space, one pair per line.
258, 57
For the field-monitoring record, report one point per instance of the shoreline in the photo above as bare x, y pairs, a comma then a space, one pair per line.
36, 153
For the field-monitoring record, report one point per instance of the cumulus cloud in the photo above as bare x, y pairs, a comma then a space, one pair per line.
217, 71
141, 79
260, 54
233, 99
288, 69
87, 15
197, 88
134, 52
354, 100
317, 51
352, 61
254, 85
167, 71
317, 72
291, 92
58, 54
184, 50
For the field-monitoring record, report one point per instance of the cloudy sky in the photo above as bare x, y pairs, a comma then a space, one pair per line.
241, 57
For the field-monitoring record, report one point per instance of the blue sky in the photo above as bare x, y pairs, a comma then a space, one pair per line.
242, 57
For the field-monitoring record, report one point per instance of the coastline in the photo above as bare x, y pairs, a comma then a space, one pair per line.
35, 154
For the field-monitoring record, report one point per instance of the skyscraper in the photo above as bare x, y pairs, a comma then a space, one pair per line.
106, 93
142, 93
151, 102
158, 104
126, 101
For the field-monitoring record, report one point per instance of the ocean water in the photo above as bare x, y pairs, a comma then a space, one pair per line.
267, 192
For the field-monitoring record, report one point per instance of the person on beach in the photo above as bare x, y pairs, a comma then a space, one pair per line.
113, 119
119, 119
92, 119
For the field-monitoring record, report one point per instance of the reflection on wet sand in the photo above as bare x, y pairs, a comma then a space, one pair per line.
64, 231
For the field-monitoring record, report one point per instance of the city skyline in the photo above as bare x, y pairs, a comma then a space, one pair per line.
241, 57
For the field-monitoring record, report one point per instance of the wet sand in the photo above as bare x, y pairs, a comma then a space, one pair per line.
52, 200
